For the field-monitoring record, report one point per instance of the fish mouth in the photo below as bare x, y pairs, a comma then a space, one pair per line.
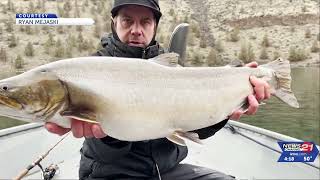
9, 102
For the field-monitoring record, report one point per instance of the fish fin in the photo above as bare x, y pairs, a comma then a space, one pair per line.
167, 59
191, 136
83, 115
287, 96
236, 63
282, 72
175, 139
63, 122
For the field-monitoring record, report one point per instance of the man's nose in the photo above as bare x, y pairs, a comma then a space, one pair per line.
136, 29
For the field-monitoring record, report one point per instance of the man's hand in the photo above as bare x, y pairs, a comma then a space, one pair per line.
261, 92
79, 129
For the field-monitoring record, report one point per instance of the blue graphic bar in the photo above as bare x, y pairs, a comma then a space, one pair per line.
35, 15
298, 151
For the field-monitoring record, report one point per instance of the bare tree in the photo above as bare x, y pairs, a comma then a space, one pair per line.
60, 11
13, 41
219, 46
69, 50
213, 58
80, 42
315, 47
246, 53
191, 39
196, 60
18, 62
51, 40
86, 3
67, 6
307, 33
60, 29
203, 43
59, 51
79, 28
296, 54
264, 53
72, 40
39, 4
9, 25
29, 51
234, 35
10, 6
76, 11
29, 30
22, 28
43, 5
265, 41
171, 12
31, 8
3, 55
276, 55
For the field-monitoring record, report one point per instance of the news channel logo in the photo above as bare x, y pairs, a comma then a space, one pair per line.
49, 19
298, 151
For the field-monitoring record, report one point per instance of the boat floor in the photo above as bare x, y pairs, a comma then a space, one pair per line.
231, 152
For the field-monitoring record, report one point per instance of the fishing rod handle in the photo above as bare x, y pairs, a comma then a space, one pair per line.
26, 170
22, 174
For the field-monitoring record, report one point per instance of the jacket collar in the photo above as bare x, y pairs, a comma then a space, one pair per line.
119, 49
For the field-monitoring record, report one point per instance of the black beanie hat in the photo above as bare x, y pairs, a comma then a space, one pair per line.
152, 4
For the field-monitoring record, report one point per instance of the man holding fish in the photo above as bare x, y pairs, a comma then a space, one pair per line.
134, 25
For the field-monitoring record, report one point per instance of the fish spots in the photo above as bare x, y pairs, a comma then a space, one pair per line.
43, 70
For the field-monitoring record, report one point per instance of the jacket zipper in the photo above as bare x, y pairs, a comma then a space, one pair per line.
143, 53
154, 161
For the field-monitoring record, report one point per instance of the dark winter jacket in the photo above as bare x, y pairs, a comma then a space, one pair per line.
109, 158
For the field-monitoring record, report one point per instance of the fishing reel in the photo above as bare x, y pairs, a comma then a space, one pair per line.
50, 171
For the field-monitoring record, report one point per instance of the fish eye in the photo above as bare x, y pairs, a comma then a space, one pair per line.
4, 87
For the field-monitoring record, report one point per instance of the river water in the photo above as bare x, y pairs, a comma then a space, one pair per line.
302, 123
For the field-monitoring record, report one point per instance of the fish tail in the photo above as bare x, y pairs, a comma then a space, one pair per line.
283, 90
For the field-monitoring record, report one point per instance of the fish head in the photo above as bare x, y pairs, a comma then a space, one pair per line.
32, 96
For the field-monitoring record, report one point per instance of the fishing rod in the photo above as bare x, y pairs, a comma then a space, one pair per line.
48, 173
37, 161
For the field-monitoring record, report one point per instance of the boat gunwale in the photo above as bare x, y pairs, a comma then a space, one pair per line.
268, 134
265, 132
17, 129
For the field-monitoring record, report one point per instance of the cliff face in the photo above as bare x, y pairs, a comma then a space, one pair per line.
287, 24
271, 20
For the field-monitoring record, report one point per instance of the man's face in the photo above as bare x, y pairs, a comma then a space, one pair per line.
135, 25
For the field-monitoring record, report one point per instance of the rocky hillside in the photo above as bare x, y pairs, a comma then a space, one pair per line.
23, 47
266, 28
220, 31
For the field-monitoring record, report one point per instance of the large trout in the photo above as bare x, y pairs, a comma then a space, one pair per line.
135, 99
